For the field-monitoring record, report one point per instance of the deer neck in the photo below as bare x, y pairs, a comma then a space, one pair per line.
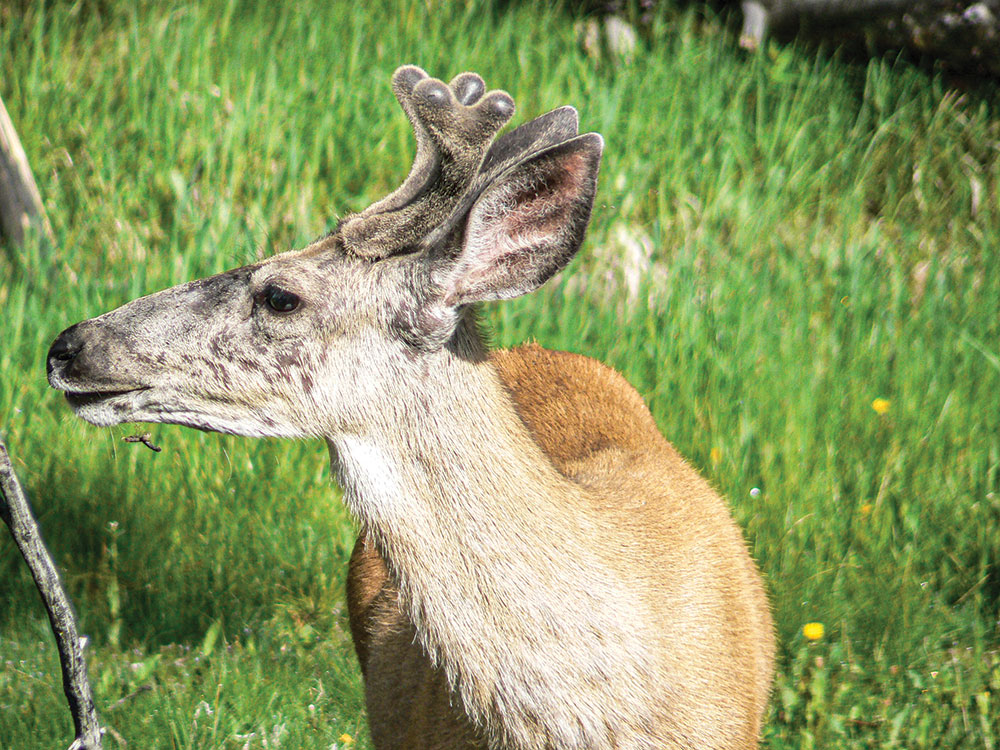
500, 568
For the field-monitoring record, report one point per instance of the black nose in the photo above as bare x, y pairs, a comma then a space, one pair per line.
64, 349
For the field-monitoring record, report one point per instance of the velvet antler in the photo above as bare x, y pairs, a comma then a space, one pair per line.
454, 125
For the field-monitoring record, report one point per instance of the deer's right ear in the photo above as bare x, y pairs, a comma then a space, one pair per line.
526, 225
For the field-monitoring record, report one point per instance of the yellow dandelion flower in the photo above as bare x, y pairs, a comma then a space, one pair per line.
346, 740
813, 630
881, 405
716, 455
866, 509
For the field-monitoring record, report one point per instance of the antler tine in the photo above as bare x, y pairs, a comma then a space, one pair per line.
454, 125
403, 82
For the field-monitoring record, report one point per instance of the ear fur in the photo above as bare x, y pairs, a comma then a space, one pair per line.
552, 128
526, 224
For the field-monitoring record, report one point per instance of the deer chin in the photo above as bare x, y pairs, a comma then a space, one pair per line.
162, 406
108, 407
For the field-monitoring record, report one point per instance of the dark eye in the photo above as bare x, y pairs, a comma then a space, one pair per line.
279, 300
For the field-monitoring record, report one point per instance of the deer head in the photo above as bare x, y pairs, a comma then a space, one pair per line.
320, 340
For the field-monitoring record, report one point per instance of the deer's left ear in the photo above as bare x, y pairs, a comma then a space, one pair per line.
526, 225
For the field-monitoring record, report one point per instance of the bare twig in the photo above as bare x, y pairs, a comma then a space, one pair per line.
117, 737
16, 513
145, 438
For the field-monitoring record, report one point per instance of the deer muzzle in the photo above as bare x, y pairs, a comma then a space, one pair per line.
77, 365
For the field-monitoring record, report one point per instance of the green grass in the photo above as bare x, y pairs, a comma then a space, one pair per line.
779, 239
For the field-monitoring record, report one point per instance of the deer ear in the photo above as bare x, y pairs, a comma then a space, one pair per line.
526, 224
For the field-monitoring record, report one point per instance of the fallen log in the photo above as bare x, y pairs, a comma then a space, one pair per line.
962, 34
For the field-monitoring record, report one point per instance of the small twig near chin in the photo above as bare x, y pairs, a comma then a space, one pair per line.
16, 513
145, 438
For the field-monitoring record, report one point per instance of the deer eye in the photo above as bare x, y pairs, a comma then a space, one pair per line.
279, 300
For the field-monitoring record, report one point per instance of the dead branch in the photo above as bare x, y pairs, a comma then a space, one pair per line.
16, 513
20, 203
146, 439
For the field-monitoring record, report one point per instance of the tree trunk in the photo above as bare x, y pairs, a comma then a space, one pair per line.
20, 202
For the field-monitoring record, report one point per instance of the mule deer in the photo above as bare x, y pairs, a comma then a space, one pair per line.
537, 567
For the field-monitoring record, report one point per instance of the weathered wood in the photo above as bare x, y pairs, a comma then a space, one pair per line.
20, 202
16, 513
781, 14
960, 33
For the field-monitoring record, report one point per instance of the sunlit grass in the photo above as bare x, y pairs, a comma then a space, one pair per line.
791, 257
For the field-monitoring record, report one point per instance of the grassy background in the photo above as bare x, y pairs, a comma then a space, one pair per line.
779, 240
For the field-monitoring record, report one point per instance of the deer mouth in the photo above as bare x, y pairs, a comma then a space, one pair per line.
79, 399
107, 407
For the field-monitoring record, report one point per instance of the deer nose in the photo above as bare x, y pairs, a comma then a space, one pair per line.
64, 349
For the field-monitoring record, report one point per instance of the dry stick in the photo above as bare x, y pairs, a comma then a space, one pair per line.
146, 439
16, 513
